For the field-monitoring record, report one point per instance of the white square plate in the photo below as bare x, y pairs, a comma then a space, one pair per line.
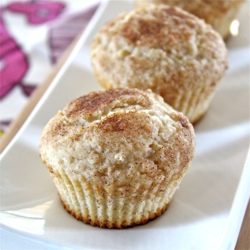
207, 210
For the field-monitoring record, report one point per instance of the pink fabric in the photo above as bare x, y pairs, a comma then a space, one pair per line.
16, 65
61, 36
38, 12
13, 62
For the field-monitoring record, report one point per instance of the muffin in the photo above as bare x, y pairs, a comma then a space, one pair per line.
218, 13
165, 49
117, 157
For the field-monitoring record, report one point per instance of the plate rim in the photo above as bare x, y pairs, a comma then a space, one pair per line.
241, 188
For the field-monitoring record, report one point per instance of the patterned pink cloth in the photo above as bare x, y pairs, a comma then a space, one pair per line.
20, 68
38, 12
13, 64
62, 35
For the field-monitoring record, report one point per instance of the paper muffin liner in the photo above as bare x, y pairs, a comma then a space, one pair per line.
222, 24
84, 202
193, 103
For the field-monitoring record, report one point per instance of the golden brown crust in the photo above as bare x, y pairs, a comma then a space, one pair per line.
113, 224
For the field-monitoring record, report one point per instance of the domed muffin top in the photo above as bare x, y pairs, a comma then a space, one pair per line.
121, 139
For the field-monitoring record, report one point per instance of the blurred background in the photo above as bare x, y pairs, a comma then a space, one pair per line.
33, 36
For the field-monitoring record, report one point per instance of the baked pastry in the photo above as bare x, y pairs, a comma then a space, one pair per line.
165, 49
117, 157
218, 13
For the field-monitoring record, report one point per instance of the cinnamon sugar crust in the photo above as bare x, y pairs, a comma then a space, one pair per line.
218, 13
165, 49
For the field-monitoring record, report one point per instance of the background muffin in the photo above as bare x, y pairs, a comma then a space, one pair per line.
166, 49
117, 157
218, 13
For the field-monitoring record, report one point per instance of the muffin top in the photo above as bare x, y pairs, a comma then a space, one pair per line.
218, 13
121, 139
159, 47
205, 9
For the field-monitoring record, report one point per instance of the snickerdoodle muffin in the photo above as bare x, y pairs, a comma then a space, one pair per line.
165, 49
117, 157
218, 13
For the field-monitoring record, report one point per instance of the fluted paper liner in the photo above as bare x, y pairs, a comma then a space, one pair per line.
82, 201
